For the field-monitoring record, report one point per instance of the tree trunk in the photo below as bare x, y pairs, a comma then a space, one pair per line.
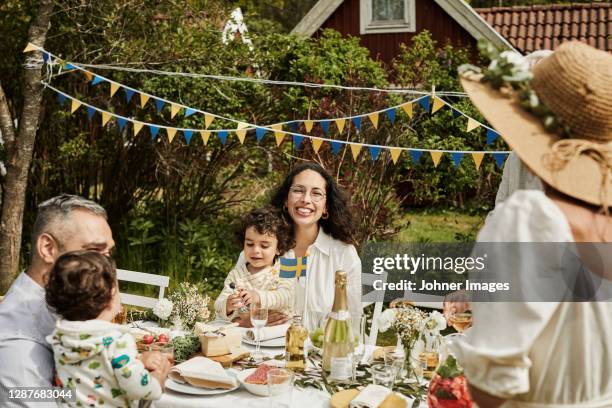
19, 150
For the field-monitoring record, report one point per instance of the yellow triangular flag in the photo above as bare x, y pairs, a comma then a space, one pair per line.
75, 105
437, 104
208, 119
105, 118
30, 47
241, 131
308, 125
436, 157
316, 144
174, 109
355, 149
278, 134
477, 159
340, 123
137, 127
472, 124
395, 153
114, 88
407, 107
374, 118
88, 75
205, 136
171, 133
143, 100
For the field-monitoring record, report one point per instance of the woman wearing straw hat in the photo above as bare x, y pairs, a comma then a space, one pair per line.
558, 121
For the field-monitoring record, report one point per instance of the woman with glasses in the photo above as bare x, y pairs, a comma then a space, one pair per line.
319, 214
321, 224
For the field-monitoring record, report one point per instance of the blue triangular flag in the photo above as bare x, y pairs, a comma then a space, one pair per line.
61, 99
128, 94
188, 134
259, 134
293, 126
222, 136
336, 146
68, 67
154, 131
374, 151
424, 102
357, 122
416, 155
297, 141
500, 158
96, 80
457, 158
121, 123
159, 104
325, 126
391, 115
491, 136
189, 112
90, 112
456, 113
45, 57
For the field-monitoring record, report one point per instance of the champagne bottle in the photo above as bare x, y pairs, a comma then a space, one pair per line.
338, 341
294, 345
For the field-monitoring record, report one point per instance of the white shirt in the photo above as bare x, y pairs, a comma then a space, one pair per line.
26, 359
314, 295
538, 354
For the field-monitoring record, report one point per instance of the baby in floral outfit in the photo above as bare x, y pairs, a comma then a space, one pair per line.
94, 357
266, 236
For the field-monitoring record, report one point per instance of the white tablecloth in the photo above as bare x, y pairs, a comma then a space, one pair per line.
308, 398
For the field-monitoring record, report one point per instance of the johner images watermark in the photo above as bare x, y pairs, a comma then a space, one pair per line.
533, 272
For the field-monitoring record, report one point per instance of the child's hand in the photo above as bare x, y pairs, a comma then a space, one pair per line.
233, 302
249, 296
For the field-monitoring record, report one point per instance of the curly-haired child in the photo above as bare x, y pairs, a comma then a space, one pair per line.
94, 357
266, 236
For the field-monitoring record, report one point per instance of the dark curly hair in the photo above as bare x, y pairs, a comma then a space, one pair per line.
339, 224
269, 220
81, 285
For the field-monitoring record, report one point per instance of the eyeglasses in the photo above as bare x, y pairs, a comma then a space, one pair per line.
315, 194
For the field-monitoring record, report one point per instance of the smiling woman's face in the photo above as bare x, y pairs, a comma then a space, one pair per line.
307, 201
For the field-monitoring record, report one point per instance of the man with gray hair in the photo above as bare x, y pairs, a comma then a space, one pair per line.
63, 223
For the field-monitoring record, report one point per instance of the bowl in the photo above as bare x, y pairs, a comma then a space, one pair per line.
256, 389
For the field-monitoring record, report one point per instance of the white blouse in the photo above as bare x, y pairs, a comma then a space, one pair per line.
538, 354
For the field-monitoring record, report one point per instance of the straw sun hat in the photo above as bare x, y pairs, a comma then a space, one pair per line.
575, 84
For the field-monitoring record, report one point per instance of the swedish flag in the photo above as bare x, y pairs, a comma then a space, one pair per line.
292, 267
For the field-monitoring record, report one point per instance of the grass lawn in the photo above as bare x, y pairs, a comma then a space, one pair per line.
440, 226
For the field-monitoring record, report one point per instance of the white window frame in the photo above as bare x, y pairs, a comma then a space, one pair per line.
367, 26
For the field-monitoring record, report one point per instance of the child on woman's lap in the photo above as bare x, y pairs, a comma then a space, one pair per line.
266, 235
94, 357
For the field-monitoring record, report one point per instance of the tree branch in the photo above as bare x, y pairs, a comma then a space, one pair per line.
6, 122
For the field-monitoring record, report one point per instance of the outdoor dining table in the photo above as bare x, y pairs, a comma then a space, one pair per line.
306, 398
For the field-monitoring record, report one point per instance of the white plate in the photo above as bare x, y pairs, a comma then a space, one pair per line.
190, 389
277, 342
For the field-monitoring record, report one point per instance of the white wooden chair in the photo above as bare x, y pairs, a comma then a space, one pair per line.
144, 278
419, 299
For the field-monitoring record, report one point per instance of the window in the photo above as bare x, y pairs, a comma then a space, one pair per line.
387, 16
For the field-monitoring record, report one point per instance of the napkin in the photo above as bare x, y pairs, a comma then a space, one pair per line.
370, 397
202, 372
268, 332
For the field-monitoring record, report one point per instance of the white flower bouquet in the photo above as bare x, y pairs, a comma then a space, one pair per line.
185, 306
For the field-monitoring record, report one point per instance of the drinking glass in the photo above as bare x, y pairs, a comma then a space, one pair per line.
395, 359
166, 349
280, 387
460, 321
259, 318
382, 375
360, 344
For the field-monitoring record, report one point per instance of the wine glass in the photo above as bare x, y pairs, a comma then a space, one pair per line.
259, 318
460, 321
360, 344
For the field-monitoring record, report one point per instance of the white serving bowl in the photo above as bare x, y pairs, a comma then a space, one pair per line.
256, 389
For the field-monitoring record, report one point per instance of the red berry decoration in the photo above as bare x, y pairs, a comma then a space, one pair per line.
147, 339
163, 338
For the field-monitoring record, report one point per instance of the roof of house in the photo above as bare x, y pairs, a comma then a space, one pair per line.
460, 11
531, 28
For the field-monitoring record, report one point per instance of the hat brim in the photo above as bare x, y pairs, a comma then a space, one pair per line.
581, 178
